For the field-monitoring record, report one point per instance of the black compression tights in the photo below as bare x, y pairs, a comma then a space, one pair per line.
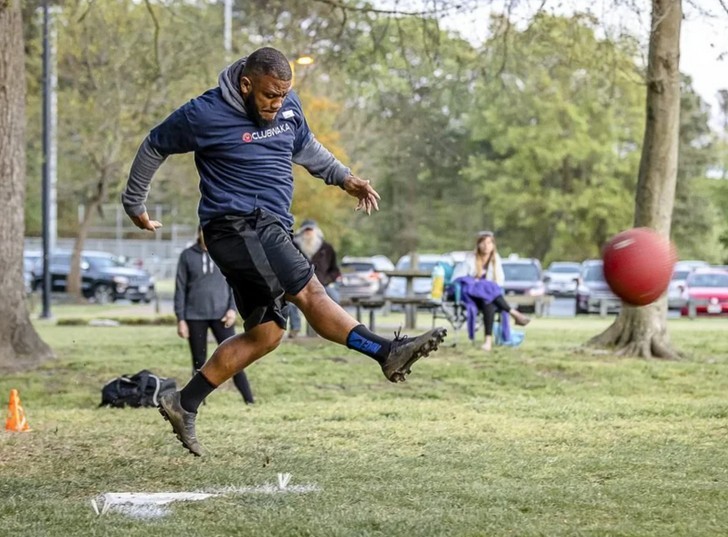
489, 309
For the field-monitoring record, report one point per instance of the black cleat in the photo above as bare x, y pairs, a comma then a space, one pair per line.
406, 351
183, 422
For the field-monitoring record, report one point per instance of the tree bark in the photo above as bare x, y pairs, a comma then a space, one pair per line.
643, 331
20, 345
73, 283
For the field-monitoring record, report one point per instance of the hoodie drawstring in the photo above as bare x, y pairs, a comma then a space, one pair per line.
207, 265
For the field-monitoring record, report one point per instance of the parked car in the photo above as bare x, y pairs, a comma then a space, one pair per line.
363, 276
458, 256
104, 277
30, 260
692, 264
421, 286
708, 288
675, 298
592, 289
523, 276
560, 278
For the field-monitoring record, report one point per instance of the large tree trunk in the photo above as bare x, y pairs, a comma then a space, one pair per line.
643, 331
20, 344
73, 283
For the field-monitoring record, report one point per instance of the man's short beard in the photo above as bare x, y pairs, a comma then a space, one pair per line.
254, 113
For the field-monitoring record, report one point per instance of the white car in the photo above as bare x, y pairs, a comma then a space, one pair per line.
421, 287
561, 278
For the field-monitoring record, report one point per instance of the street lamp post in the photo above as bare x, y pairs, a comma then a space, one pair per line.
46, 182
228, 29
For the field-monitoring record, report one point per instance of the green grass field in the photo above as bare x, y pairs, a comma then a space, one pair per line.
543, 440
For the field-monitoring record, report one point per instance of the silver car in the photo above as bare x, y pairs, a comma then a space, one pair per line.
593, 292
363, 276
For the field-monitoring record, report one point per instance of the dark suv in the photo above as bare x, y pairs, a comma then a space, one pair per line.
104, 277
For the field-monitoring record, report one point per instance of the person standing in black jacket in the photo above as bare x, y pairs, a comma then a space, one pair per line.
203, 300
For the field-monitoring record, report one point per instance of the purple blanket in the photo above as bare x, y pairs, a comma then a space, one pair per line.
487, 290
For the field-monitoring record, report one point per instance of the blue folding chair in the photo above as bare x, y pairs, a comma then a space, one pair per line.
451, 307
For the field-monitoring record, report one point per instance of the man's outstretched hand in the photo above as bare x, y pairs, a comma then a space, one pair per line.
142, 222
362, 190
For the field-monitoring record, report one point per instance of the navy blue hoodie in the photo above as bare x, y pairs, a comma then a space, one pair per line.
241, 166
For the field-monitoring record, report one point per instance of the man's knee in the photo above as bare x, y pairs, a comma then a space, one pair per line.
312, 291
266, 337
276, 339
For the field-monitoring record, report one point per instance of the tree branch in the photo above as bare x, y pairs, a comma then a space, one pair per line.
423, 13
86, 11
156, 36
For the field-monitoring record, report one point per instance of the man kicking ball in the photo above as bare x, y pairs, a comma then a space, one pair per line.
246, 134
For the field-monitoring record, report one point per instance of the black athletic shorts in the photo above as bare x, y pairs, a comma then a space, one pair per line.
256, 254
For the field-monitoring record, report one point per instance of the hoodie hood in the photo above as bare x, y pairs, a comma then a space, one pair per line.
229, 81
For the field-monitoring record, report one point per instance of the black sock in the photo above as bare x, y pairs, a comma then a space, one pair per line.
192, 395
366, 342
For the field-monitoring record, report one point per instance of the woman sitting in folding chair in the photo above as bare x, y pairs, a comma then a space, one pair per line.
481, 277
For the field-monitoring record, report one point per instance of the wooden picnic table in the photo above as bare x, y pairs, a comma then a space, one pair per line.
409, 301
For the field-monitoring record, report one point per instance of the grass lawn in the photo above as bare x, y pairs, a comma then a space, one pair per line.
546, 439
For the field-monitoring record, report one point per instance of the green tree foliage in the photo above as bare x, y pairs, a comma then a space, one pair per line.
116, 87
556, 127
719, 186
32, 28
412, 85
718, 189
535, 134
696, 220
312, 197
122, 66
401, 84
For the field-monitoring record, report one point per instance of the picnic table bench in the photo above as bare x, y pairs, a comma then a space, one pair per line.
367, 303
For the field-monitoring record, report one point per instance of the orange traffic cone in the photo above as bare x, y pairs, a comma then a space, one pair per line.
16, 421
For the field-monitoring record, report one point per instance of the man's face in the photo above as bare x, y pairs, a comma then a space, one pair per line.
264, 96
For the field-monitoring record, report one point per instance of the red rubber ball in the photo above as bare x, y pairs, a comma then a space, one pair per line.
638, 265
